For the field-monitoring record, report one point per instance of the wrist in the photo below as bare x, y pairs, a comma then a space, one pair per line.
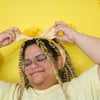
76, 36
1, 40
0, 44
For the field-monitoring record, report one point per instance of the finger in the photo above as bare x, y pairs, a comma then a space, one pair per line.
57, 23
60, 23
6, 42
59, 29
10, 35
15, 30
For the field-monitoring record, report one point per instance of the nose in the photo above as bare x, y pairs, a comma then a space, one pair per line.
34, 65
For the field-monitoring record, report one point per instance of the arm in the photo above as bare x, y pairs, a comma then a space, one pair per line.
88, 44
8, 36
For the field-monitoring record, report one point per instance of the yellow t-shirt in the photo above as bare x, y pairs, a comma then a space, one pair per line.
85, 87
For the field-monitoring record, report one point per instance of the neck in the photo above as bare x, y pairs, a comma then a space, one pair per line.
43, 86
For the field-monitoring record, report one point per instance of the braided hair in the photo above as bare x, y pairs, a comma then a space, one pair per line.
48, 46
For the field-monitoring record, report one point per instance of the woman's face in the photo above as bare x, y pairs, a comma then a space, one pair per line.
38, 68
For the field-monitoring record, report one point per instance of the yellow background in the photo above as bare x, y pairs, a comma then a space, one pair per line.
83, 15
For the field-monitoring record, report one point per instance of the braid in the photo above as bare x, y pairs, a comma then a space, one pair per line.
65, 74
68, 72
21, 67
43, 47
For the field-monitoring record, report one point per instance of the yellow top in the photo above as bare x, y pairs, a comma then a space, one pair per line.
85, 87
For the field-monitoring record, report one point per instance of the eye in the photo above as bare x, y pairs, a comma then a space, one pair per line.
27, 63
41, 57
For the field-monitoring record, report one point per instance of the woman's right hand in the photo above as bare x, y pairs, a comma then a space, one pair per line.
8, 36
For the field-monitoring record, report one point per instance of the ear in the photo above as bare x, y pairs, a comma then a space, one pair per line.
59, 62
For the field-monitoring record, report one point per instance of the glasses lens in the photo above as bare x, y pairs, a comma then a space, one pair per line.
39, 60
27, 63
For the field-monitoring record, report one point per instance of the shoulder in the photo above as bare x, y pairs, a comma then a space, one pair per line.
6, 84
89, 75
99, 71
7, 87
87, 78
87, 84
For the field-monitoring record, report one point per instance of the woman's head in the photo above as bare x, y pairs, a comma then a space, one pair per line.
41, 42
41, 60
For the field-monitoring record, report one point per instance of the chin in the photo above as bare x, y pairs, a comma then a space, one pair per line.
38, 80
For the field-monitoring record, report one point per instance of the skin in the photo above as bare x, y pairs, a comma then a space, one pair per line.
88, 44
40, 76
8, 36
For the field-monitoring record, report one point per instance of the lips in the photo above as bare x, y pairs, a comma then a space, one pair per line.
37, 72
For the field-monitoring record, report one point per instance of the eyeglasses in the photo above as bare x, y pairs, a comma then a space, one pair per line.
39, 60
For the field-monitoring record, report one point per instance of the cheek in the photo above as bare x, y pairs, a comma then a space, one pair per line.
27, 72
48, 68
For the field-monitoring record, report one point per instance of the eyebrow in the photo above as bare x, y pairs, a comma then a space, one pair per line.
39, 55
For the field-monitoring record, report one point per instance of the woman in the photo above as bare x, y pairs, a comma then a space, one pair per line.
46, 72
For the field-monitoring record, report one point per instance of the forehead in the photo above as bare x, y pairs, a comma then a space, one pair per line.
32, 50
